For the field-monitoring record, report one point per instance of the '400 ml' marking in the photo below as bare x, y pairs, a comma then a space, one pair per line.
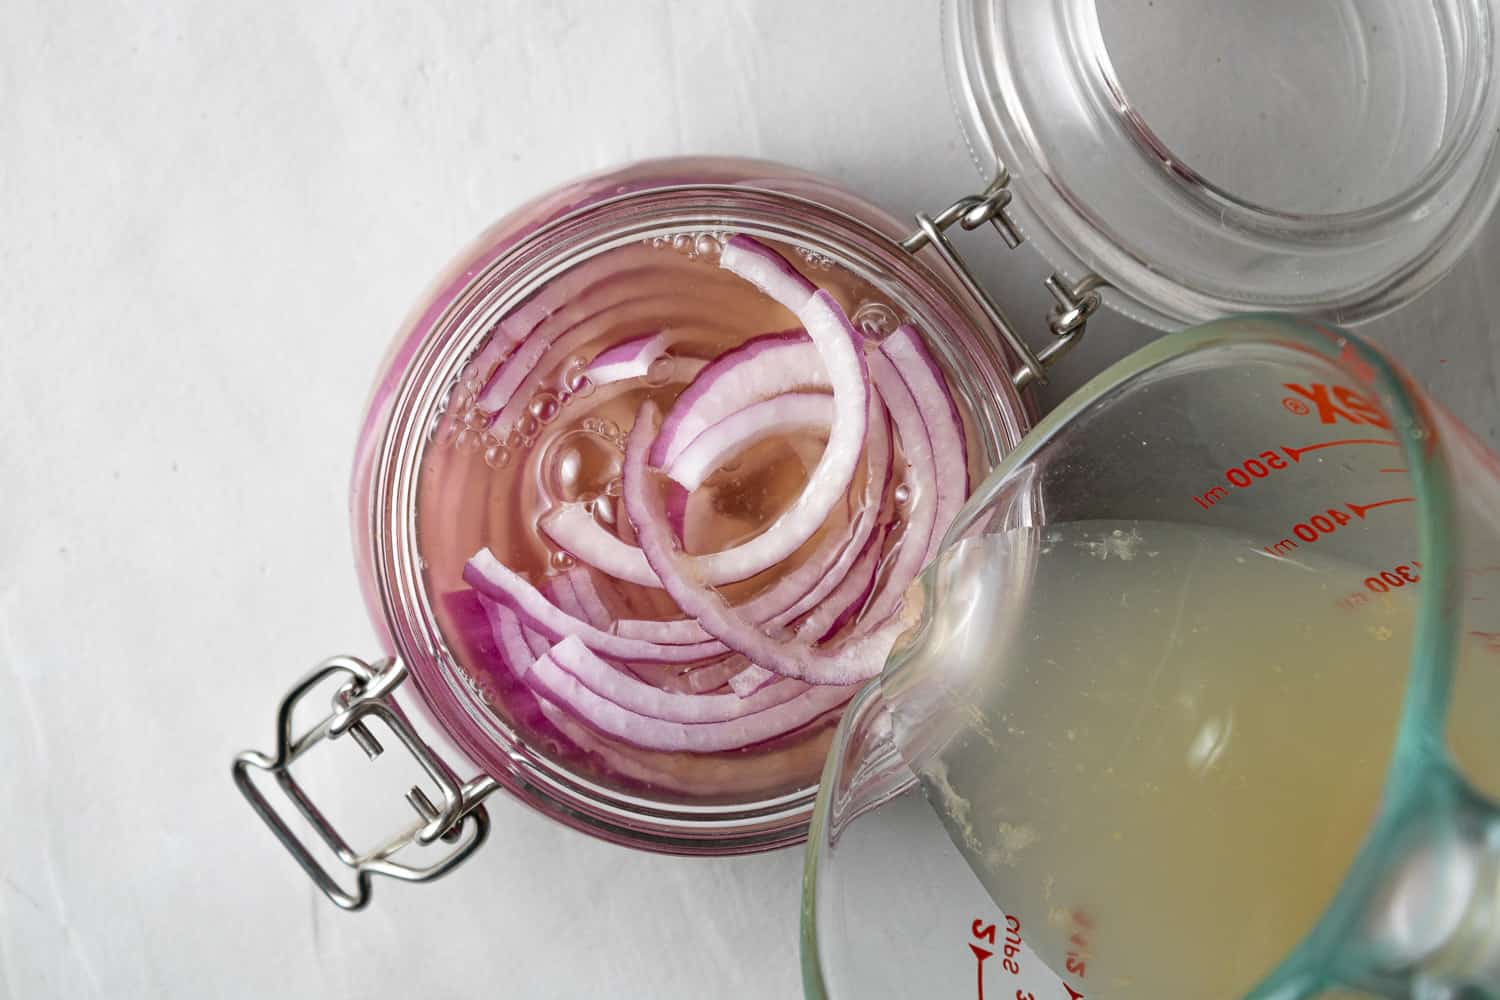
1328, 522
1252, 470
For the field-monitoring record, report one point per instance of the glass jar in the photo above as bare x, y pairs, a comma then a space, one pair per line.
1209, 157
421, 425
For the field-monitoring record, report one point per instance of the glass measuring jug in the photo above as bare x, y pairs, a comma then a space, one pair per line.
1201, 703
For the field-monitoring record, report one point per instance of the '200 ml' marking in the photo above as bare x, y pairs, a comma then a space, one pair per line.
1009, 948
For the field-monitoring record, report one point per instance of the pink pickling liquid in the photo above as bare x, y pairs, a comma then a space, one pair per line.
486, 484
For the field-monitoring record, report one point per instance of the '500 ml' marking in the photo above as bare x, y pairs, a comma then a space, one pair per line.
1247, 473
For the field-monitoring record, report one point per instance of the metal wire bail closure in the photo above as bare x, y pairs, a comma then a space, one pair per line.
460, 819
1075, 303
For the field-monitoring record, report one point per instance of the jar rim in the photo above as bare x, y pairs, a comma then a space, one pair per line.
501, 282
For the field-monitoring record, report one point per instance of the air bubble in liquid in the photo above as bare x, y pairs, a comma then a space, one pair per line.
459, 400
604, 427
660, 371
468, 439
562, 560
902, 494
477, 419
578, 465
604, 510
443, 429
497, 456
573, 378
706, 245
875, 320
544, 407
528, 427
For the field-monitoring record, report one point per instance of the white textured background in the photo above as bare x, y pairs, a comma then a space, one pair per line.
211, 219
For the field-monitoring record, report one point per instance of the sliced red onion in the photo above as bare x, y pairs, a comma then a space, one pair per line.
553, 682
841, 351
515, 645
574, 529
761, 367
559, 590
848, 600
500, 583
594, 610
857, 659
513, 409
751, 679
920, 510
767, 270
844, 363
627, 692
516, 648
504, 395
950, 455
701, 680
789, 413
524, 323
803, 588
628, 359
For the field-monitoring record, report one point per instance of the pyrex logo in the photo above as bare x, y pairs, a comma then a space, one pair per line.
1333, 403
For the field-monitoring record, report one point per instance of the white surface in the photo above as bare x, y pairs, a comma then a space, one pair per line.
211, 220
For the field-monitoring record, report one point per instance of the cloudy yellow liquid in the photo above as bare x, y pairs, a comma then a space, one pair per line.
1173, 751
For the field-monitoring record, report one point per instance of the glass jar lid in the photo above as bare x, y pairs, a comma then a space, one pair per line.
1208, 156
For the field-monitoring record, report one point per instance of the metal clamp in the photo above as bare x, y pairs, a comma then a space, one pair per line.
1075, 303
460, 820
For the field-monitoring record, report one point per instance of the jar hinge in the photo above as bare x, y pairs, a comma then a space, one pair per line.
1075, 302
458, 819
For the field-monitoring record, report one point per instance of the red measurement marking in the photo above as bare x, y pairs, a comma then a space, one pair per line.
1326, 523
1394, 578
1359, 509
980, 954
1263, 465
1072, 993
1295, 405
1076, 962
982, 932
1491, 640
1012, 960
1353, 362
1295, 454
1392, 470
1337, 402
